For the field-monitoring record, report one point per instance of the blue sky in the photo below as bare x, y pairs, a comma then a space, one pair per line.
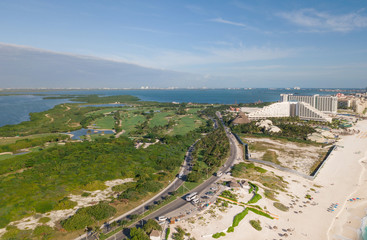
249, 43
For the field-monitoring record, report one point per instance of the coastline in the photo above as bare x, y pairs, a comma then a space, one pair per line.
350, 221
342, 177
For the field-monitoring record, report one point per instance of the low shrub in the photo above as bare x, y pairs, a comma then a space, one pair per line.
95, 185
260, 212
255, 198
99, 211
44, 220
86, 194
65, 203
229, 195
44, 206
43, 232
230, 229
77, 221
238, 218
218, 235
256, 224
281, 206
87, 216
168, 232
270, 195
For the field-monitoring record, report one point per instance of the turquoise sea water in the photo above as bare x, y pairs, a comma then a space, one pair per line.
15, 109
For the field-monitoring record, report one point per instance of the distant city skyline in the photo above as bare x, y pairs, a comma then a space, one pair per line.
129, 44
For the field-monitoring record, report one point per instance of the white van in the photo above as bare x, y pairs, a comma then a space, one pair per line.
218, 174
162, 218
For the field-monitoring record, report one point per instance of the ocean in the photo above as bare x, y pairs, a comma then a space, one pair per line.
15, 109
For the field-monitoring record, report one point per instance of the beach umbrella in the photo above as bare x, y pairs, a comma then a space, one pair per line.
275, 227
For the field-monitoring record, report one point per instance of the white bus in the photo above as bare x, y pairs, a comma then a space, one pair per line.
191, 196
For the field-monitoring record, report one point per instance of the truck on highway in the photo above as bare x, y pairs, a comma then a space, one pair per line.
191, 196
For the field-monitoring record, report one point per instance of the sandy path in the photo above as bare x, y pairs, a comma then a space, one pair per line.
51, 118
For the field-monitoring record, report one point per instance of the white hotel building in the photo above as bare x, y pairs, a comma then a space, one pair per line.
327, 104
303, 107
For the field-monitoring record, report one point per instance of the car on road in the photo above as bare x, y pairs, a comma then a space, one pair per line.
218, 174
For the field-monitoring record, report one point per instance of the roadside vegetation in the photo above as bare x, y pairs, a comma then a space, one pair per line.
209, 154
62, 169
260, 175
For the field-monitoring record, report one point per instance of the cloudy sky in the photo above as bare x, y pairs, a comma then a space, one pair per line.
183, 43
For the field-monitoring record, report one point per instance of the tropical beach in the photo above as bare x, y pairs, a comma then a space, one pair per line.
334, 211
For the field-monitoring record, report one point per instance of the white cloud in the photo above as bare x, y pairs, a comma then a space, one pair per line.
322, 21
221, 20
179, 60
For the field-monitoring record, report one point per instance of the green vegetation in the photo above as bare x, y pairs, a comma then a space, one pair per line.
253, 187
281, 206
167, 233
257, 211
107, 122
61, 118
185, 125
238, 169
138, 234
270, 195
31, 142
160, 119
267, 179
65, 203
229, 195
209, 154
271, 156
123, 187
86, 194
255, 199
50, 175
218, 235
293, 129
179, 234
238, 218
105, 99
151, 225
86, 216
44, 220
15, 233
256, 224
230, 229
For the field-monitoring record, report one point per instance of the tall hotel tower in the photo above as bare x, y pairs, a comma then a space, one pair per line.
327, 104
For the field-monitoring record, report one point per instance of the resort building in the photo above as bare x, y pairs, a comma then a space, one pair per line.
290, 109
327, 104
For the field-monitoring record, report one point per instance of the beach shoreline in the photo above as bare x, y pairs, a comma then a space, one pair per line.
328, 215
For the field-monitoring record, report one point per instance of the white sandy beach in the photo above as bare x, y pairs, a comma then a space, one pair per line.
342, 177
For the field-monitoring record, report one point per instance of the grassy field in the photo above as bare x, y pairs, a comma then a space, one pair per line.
186, 124
9, 140
107, 122
130, 120
160, 119
106, 110
5, 156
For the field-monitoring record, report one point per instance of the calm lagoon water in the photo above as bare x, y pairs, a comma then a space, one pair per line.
82, 132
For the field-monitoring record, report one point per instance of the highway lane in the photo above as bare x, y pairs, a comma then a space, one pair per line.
179, 203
